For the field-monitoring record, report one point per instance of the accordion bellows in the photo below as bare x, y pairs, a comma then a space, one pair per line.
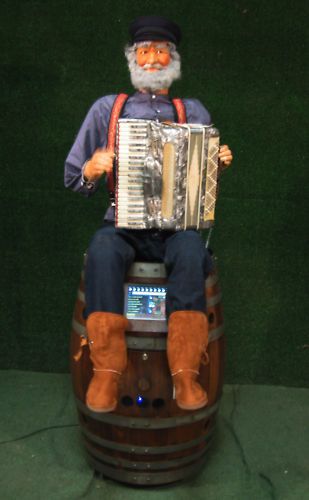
166, 175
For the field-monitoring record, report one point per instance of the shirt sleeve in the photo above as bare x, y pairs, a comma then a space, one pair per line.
92, 135
196, 112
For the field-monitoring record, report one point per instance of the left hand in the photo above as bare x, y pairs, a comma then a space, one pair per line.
225, 156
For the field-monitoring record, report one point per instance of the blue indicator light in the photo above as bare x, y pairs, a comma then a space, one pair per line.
139, 400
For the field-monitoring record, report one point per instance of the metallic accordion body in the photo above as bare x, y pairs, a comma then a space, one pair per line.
166, 175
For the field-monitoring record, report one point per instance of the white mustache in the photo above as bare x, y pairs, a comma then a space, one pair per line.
155, 65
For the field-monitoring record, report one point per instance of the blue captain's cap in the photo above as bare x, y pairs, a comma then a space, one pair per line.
154, 28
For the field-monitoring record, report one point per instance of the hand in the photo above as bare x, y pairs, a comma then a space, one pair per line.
225, 156
101, 162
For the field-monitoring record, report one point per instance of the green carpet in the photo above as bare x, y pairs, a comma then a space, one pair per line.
260, 452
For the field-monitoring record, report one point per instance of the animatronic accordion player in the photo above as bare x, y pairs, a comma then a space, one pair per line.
154, 64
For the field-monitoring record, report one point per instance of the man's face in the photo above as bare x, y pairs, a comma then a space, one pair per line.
153, 65
154, 56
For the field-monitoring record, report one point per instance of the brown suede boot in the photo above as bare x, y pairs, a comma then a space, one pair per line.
108, 353
186, 345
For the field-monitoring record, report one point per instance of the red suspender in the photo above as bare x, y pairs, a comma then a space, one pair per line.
111, 138
112, 129
181, 110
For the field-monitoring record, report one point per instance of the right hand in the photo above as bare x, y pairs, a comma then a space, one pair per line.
100, 162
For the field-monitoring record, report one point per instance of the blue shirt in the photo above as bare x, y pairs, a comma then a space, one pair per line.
94, 130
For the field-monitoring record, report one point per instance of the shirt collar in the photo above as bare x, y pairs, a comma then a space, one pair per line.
148, 96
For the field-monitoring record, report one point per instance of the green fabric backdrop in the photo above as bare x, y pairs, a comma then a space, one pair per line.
245, 60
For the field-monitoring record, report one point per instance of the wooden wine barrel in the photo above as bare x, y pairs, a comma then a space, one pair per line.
148, 440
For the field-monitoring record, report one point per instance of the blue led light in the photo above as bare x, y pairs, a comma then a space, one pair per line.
139, 400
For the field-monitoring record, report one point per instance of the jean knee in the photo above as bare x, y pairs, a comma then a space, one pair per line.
109, 248
187, 249
185, 245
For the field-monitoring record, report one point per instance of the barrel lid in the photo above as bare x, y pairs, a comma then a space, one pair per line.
147, 270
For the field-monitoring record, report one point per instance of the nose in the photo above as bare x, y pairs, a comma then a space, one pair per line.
152, 57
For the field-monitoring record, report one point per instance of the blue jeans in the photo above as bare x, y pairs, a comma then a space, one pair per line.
113, 250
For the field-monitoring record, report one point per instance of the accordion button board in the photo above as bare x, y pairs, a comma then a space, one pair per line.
166, 175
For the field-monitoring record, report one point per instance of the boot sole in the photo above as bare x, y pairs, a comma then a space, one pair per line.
197, 406
102, 410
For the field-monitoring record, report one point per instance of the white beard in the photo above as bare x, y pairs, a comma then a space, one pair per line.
154, 80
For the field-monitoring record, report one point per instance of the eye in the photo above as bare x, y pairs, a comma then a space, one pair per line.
162, 51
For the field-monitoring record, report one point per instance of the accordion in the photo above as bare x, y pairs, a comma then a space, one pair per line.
166, 175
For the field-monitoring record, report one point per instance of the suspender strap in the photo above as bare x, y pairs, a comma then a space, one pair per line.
180, 110
111, 138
